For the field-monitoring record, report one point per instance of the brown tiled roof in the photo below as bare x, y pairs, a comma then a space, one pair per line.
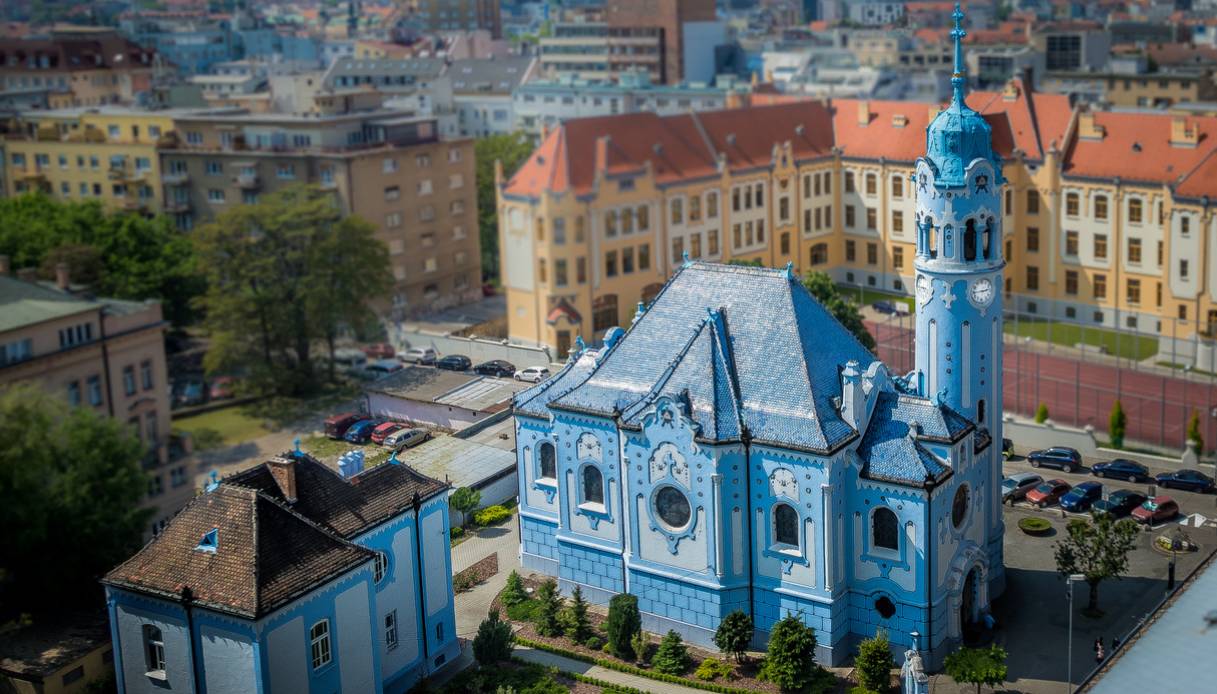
266, 555
345, 507
1137, 147
50, 643
1201, 181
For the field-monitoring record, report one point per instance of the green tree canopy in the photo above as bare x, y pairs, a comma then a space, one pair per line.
1098, 549
1116, 425
977, 666
284, 272
624, 620
874, 663
1193, 432
672, 658
71, 483
790, 660
123, 255
734, 634
512, 150
575, 622
513, 592
465, 500
825, 291
493, 642
549, 607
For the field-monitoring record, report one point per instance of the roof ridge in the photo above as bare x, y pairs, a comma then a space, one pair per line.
657, 388
720, 345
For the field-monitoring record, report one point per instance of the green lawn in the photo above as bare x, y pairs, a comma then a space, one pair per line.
1123, 344
223, 427
865, 297
329, 450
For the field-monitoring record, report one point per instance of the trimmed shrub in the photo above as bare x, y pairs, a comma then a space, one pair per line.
624, 620
734, 634
574, 619
1033, 525
1117, 423
514, 593
790, 660
493, 641
874, 663
672, 658
594, 643
524, 611
712, 669
549, 604
1193, 432
1041, 413
491, 515
456, 531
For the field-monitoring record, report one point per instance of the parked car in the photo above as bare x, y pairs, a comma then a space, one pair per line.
1048, 493
454, 362
380, 350
223, 388
1007, 448
337, 425
1082, 496
361, 431
420, 355
383, 367
406, 438
192, 393
1015, 487
1187, 480
1122, 469
884, 306
1156, 510
349, 359
495, 367
382, 431
532, 374
1060, 457
1119, 503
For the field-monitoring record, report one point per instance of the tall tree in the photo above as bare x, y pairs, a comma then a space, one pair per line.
790, 659
977, 666
122, 254
282, 273
549, 606
825, 291
1117, 423
1193, 432
1098, 549
465, 500
512, 150
624, 620
71, 481
492, 644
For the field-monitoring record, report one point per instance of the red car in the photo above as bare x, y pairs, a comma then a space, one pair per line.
223, 388
1156, 510
380, 350
336, 426
380, 432
1048, 493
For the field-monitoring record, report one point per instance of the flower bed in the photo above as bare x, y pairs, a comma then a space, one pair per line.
1033, 525
479, 571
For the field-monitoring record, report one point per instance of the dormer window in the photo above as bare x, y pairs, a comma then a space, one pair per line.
210, 542
982, 184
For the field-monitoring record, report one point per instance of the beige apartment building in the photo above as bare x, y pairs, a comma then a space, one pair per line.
606, 208
388, 167
104, 354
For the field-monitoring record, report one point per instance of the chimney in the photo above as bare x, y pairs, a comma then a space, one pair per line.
284, 471
853, 398
1088, 129
63, 276
1010, 93
864, 113
1183, 134
899, 120
27, 274
6, 266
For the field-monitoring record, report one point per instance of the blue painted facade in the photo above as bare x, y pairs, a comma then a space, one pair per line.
737, 449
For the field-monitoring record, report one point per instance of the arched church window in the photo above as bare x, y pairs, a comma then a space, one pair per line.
672, 507
884, 532
785, 525
988, 245
969, 241
980, 412
982, 184
547, 462
959, 507
932, 234
593, 485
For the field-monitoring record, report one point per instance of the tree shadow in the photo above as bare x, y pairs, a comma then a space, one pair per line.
493, 532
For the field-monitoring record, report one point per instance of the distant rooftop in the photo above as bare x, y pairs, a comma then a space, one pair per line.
460, 462
477, 393
48, 645
24, 303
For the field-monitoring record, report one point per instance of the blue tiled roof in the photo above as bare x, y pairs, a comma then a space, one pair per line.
535, 401
890, 450
784, 350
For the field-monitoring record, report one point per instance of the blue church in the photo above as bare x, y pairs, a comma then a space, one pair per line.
738, 449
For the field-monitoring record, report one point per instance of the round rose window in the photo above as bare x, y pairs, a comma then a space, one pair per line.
672, 507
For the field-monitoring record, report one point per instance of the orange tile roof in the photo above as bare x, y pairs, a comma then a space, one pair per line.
1136, 146
1201, 181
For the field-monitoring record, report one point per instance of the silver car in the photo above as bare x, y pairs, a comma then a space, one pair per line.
406, 438
1015, 487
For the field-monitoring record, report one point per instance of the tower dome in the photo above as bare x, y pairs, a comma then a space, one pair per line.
958, 135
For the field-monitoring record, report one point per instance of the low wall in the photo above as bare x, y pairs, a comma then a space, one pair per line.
480, 350
1031, 435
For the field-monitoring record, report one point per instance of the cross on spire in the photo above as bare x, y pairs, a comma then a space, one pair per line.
959, 79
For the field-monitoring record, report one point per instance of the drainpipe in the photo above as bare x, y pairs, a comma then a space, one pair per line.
105, 360
746, 439
929, 579
416, 502
187, 599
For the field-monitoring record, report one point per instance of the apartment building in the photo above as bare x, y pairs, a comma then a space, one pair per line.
106, 153
82, 67
388, 167
457, 15
671, 18
607, 207
104, 354
594, 51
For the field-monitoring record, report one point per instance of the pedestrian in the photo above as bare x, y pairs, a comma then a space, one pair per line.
1098, 654
1115, 642
1098, 644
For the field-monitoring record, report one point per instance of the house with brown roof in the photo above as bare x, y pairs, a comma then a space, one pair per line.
291, 577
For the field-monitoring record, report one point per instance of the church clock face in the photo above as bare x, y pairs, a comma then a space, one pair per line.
981, 292
925, 289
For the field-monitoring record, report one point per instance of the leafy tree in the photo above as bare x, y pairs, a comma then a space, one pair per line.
493, 641
825, 291
1193, 432
1116, 425
672, 658
512, 150
549, 604
1098, 549
874, 663
734, 634
1041, 413
70, 480
977, 666
624, 620
282, 273
574, 618
790, 660
513, 592
465, 500
121, 254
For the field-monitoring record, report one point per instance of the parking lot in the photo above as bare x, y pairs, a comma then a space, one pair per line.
1033, 614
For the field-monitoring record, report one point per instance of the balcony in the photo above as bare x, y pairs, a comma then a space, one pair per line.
247, 181
30, 173
117, 173
175, 178
177, 206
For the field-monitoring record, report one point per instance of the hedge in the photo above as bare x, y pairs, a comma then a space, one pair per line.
491, 515
630, 669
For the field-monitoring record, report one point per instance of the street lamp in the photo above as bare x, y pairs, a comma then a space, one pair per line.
1073, 578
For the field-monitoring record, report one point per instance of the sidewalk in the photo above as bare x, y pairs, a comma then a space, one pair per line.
621, 678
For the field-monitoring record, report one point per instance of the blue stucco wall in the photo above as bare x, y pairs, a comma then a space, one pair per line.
539, 545
598, 572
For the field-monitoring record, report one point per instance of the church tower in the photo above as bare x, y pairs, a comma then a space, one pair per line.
959, 279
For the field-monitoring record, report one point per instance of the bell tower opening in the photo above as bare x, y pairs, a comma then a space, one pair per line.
969, 240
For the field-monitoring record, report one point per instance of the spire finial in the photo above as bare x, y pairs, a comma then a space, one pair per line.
959, 79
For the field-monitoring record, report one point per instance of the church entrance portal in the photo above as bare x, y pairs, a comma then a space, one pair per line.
969, 612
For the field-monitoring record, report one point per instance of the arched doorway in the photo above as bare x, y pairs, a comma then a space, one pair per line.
969, 608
